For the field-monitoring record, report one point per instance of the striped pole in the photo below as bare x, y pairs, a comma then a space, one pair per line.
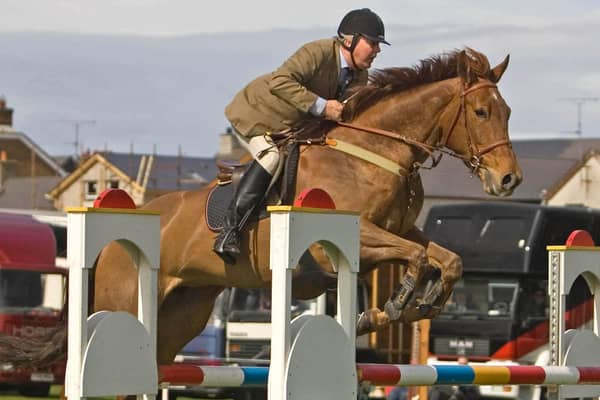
392, 375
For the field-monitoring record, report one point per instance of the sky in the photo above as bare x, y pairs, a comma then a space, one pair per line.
184, 17
156, 74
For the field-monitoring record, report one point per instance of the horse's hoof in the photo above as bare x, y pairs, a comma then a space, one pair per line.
392, 310
427, 310
370, 320
433, 291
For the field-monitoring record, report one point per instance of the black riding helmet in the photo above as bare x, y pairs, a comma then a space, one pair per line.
362, 22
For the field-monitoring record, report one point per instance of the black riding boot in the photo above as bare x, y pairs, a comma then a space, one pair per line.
249, 193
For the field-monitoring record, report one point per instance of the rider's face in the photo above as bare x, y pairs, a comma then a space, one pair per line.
365, 52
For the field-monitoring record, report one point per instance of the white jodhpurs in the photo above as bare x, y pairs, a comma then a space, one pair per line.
256, 145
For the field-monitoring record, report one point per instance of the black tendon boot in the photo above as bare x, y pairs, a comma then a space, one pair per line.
249, 193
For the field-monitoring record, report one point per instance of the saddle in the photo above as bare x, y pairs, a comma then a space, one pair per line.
312, 132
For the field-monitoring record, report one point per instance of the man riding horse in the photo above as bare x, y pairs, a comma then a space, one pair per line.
309, 84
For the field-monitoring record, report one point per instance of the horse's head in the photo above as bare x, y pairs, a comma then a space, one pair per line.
478, 130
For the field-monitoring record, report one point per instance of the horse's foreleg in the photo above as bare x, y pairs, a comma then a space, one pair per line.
450, 267
378, 246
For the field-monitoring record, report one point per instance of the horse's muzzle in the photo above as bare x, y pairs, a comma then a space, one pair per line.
502, 185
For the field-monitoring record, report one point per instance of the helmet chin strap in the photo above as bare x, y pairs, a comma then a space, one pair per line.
355, 39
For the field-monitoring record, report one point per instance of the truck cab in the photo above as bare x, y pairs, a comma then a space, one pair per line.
32, 296
498, 311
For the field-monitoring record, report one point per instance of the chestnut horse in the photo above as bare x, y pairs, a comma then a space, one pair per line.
406, 116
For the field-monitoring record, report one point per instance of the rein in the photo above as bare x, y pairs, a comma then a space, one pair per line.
474, 159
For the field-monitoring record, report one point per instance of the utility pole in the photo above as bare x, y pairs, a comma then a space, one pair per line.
579, 102
77, 123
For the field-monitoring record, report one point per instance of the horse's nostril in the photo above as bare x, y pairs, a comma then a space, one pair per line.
508, 180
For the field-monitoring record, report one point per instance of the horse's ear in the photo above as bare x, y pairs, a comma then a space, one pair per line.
464, 68
498, 70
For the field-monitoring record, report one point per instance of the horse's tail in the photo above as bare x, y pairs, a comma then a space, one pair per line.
39, 352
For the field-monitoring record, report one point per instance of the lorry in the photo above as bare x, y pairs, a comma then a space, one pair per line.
32, 296
498, 312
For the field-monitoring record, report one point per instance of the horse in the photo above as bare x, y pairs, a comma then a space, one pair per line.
404, 118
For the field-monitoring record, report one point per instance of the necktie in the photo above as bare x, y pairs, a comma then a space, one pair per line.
346, 76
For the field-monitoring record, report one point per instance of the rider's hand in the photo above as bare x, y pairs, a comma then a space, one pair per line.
333, 110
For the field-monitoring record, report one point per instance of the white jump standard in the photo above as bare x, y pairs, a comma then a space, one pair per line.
314, 349
574, 347
112, 353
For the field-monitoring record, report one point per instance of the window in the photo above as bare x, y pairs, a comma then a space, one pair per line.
505, 233
451, 231
483, 296
112, 184
501, 297
31, 289
91, 189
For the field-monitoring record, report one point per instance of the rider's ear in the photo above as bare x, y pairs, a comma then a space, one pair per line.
464, 68
498, 70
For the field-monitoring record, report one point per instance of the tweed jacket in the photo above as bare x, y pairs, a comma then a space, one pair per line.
282, 98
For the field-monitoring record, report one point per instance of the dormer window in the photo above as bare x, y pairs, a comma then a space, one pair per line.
91, 190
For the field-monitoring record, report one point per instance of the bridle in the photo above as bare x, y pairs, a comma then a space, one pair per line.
473, 159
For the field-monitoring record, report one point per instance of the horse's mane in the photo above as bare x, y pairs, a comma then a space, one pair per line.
384, 82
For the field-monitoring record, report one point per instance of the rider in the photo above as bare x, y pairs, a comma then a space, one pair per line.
309, 84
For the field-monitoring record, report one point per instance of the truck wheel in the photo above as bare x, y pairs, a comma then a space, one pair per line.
35, 390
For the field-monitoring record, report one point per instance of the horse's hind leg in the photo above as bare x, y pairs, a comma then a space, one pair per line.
183, 315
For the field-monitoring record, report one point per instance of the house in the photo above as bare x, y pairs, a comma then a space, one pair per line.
143, 176
580, 185
27, 172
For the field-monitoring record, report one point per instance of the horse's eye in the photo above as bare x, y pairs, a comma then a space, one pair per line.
481, 113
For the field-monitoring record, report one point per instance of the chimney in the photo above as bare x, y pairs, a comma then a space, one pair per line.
5, 113
229, 146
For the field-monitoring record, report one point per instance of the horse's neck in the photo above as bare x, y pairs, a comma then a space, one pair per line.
416, 113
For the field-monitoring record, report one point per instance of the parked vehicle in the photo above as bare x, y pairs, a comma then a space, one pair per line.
32, 296
498, 312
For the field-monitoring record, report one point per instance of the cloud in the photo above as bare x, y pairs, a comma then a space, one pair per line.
589, 83
185, 17
171, 90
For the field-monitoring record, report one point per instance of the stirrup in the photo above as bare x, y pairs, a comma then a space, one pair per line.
227, 245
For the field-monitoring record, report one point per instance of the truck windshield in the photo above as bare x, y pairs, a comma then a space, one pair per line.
31, 289
482, 297
483, 240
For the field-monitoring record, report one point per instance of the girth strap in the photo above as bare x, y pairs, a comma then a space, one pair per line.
367, 156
